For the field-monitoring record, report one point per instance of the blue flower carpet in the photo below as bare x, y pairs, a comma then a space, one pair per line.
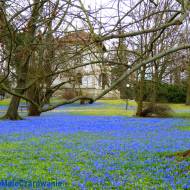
95, 152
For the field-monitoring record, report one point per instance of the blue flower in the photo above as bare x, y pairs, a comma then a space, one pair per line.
42, 159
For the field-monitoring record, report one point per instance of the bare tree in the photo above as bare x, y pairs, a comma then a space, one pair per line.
33, 46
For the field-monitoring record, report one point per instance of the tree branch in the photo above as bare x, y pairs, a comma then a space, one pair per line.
137, 66
90, 99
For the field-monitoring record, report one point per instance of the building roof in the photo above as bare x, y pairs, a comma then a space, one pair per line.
79, 38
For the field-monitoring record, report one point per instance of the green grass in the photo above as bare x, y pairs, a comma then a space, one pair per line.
114, 107
181, 114
4, 102
103, 112
118, 102
110, 108
179, 106
184, 128
55, 156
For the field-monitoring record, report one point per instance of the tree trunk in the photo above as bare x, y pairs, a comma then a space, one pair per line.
139, 107
123, 90
155, 85
188, 95
188, 88
177, 77
141, 93
12, 112
33, 110
22, 47
34, 93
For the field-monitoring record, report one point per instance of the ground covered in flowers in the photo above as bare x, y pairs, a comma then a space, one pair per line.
95, 152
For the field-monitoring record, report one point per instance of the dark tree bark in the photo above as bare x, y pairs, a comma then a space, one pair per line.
185, 154
33, 110
12, 112
177, 77
35, 94
188, 95
188, 88
155, 82
141, 93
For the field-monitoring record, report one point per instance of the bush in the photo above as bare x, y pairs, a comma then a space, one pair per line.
173, 93
166, 92
156, 110
68, 94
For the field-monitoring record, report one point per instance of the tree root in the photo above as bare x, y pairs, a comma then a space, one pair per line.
9, 117
185, 154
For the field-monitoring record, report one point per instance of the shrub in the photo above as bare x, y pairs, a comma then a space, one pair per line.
68, 94
166, 92
156, 110
176, 93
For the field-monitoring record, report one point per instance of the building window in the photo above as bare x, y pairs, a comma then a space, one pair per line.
79, 78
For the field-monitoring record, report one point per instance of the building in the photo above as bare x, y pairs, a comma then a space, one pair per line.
91, 79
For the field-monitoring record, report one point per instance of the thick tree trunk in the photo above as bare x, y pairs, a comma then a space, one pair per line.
34, 94
139, 107
22, 46
12, 112
33, 110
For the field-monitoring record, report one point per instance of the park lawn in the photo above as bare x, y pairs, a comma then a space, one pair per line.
118, 107
102, 112
180, 106
184, 128
118, 101
94, 146
109, 108
106, 108
92, 152
181, 115
180, 110
4, 102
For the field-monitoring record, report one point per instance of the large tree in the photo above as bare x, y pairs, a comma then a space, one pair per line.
22, 42
25, 44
